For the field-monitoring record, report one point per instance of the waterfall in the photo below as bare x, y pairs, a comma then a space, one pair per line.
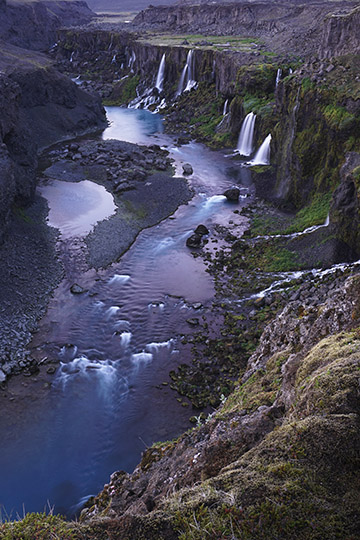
160, 75
187, 82
278, 76
113, 61
225, 109
72, 56
290, 71
182, 80
262, 156
245, 142
132, 61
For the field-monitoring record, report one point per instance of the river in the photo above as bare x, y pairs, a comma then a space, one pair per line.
110, 398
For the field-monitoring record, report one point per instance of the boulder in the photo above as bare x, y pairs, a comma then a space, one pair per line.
232, 194
194, 241
201, 230
187, 168
77, 289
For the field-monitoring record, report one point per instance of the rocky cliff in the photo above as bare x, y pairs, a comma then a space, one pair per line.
33, 24
38, 107
286, 25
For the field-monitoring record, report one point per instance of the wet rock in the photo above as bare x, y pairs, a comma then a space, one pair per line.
2, 376
201, 230
51, 370
232, 194
187, 168
194, 241
193, 322
197, 305
77, 289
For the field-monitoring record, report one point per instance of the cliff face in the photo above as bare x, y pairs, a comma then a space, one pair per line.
286, 26
38, 107
33, 25
341, 34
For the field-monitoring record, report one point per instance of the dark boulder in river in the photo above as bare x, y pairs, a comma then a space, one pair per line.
194, 241
232, 194
201, 230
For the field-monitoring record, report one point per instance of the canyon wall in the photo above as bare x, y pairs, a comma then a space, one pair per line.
33, 25
294, 25
38, 107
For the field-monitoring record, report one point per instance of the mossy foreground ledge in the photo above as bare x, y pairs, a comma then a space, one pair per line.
279, 459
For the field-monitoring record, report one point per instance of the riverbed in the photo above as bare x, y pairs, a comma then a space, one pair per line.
110, 397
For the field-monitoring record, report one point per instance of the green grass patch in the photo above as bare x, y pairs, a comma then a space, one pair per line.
313, 214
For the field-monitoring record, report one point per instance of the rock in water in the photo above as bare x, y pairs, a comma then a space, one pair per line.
77, 289
194, 241
187, 168
201, 230
232, 194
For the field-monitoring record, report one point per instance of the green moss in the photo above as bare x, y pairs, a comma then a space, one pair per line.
260, 389
39, 526
338, 117
124, 92
328, 377
313, 214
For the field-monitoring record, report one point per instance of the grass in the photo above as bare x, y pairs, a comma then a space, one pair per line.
237, 43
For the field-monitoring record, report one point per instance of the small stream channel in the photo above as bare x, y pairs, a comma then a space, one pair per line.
110, 396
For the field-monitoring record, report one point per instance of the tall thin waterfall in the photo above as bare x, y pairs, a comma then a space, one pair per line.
262, 156
225, 109
278, 76
160, 75
187, 82
132, 61
245, 142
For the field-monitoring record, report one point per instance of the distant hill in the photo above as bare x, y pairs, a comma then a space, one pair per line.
118, 6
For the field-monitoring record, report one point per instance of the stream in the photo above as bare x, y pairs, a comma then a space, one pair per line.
64, 434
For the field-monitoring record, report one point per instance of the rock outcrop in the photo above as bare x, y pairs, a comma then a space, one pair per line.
341, 34
292, 25
33, 25
38, 107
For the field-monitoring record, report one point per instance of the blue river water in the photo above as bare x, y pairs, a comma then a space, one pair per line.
62, 435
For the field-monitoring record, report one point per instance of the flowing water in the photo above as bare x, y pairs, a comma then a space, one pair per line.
64, 434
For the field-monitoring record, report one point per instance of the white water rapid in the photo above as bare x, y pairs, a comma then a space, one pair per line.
245, 142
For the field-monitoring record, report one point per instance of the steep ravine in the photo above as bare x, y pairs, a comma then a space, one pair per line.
280, 457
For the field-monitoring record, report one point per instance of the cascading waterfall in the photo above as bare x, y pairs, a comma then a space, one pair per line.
132, 61
113, 61
72, 56
278, 77
245, 142
187, 81
160, 75
225, 109
262, 156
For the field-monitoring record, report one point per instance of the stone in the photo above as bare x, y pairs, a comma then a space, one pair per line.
187, 168
232, 194
194, 241
201, 230
77, 289
2, 376
193, 322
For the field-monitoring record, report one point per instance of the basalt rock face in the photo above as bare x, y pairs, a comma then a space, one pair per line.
294, 25
33, 25
38, 108
341, 34
345, 208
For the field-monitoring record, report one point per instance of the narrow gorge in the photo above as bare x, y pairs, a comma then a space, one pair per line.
180, 249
